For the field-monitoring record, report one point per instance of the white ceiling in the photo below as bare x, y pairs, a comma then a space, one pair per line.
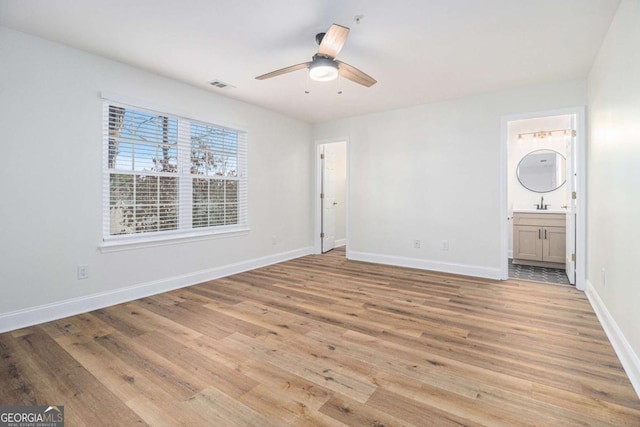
419, 51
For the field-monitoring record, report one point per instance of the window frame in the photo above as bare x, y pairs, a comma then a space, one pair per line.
184, 230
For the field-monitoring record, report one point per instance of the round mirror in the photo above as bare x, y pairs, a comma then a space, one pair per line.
542, 171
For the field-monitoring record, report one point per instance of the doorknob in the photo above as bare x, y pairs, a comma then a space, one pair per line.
335, 203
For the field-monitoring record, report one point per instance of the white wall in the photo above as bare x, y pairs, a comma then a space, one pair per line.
432, 173
51, 210
613, 203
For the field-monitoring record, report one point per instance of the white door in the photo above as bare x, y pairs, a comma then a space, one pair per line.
571, 204
328, 196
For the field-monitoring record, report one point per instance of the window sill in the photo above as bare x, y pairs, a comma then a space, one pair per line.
140, 242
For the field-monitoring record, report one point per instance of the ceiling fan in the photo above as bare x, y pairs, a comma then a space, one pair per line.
324, 66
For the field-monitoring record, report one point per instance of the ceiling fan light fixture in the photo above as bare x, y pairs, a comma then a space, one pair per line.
324, 66
323, 69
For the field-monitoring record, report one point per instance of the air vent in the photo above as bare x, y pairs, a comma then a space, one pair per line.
221, 85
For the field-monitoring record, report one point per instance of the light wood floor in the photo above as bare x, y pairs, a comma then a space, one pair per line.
325, 341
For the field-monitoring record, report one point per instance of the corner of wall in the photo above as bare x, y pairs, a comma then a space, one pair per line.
48, 312
422, 264
629, 360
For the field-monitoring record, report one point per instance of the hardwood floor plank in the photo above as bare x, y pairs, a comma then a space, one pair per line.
16, 382
206, 369
317, 372
321, 340
414, 412
601, 410
283, 382
66, 382
134, 319
178, 312
155, 405
220, 409
156, 416
284, 410
82, 324
164, 373
353, 413
395, 361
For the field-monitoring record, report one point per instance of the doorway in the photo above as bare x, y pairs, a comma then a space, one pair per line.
543, 180
331, 200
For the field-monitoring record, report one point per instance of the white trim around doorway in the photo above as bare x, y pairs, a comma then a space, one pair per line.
581, 225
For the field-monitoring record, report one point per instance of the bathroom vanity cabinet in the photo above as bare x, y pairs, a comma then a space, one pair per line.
539, 239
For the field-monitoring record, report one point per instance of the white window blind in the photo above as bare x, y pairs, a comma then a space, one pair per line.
168, 175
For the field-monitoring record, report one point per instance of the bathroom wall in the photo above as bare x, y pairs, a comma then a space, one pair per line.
519, 197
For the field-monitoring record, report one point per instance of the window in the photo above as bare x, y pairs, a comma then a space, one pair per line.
167, 175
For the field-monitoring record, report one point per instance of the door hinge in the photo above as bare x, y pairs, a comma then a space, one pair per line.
574, 195
322, 235
322, 156
574, 133
322, 195
573, 257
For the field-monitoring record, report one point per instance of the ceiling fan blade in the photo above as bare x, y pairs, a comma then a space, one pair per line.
333, 41
284, 70
352, 73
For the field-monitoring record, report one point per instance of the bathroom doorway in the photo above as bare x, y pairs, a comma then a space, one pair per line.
543, 180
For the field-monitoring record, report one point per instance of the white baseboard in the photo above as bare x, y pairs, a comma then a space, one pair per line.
444, 267
341, 242
60, 309
629, 360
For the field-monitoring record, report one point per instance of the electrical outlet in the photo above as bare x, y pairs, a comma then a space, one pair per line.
274, 240
445, 245
416, 244
83, 271
604, 281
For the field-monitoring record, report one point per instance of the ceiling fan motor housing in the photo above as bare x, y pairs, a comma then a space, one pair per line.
323, 69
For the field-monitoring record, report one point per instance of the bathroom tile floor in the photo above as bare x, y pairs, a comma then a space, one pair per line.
538, 274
